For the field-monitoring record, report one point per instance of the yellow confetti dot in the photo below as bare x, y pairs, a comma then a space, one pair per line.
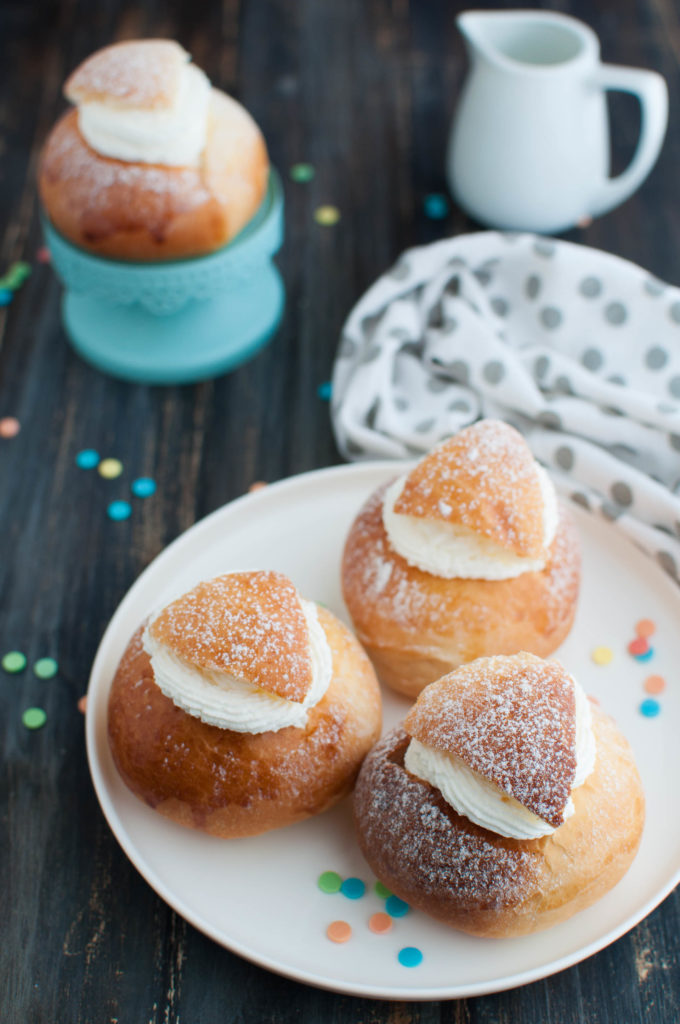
327, 215
110, 468
602, 655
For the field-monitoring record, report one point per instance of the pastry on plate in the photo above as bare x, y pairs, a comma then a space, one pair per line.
467, 555
240, 707
151, 163
506, 803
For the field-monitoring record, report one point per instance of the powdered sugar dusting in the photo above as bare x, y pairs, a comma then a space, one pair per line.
249, 624
512, 720
485, 478
140, 73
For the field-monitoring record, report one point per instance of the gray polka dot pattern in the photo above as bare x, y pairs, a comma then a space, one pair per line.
622, 494
579, 350
615, 313
656, 358
494, 372
592, 359
532, 286
550, 317
590, 287
564, 457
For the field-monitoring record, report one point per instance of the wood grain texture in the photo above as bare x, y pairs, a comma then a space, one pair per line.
364, 90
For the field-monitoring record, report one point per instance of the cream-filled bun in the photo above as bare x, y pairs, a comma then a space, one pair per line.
241, 707
507, 801
468, 555
152, 163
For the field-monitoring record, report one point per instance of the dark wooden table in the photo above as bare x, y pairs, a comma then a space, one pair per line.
364, 90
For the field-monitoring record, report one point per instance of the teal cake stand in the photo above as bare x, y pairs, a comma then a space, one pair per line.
180, 321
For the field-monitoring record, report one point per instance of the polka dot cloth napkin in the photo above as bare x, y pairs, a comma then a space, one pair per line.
578, 349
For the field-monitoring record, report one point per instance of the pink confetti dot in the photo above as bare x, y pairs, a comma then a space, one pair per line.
43, 254
9, 427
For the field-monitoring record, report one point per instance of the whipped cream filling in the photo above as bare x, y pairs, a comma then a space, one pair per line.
229, 702
484, 803
175, 136
453, 551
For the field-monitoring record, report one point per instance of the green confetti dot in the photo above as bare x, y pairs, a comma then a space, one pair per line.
45, 668
329, 881
327, 215
382, 891
34, 718
14, 661
302, 173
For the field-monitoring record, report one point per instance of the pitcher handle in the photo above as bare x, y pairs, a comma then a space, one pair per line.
650, 89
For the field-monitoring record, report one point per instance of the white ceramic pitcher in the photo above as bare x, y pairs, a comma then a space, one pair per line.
529, 146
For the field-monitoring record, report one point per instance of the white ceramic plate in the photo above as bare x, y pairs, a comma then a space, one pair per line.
258, 897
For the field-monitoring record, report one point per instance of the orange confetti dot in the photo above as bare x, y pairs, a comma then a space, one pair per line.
639, 645
82, 704
9, 427
339, 931
380, 923
257, 486
654, 684
645, 628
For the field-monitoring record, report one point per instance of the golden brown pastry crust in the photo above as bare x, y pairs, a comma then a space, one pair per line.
478, 881
237, 784
484, 479
417, 627
151, 212
132, 73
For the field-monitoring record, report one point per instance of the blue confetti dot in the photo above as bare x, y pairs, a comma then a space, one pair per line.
410, 956
143, 487
650, 708
87, 459
119, 510
6, 296
647, 656
436, 206
396, 907
325, 391
353, 888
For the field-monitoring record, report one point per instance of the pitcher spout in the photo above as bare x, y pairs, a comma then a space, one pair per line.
519, 40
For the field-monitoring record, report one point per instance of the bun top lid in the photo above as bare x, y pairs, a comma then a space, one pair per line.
510, 719
486, 480
250, 625
137, 74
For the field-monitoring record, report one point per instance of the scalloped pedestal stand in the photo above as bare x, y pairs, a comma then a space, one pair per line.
175, 322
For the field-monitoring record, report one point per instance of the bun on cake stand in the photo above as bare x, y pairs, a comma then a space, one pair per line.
162, 215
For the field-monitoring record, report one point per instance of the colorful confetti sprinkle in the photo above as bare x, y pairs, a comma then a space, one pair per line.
353, 888
327, 215
436, 206
410, 956
302, 173
650, 708
43, 254
602, 655
638, 646
34, 718
15, 276
45, 668
329, 881
645, 656
143, 487
87, 459
654, 684
14, 661
119, 510
9, 426
257, 486
82, 704
396, 907
645, 627
6, 296
382, 891
380, 923
325, 391
339, 931
110, 468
